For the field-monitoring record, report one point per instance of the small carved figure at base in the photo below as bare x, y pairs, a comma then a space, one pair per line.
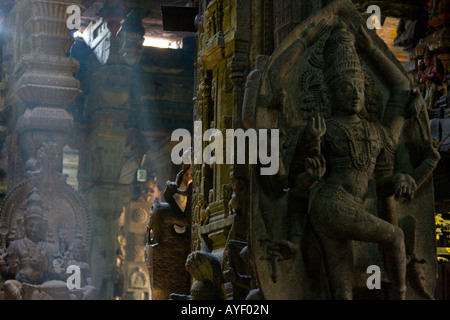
32, 260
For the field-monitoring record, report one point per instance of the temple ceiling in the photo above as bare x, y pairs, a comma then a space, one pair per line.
408, 9
152, 22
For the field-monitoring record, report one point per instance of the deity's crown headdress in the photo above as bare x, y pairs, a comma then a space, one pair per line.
340, 54
34, 206
427, 53
78, 241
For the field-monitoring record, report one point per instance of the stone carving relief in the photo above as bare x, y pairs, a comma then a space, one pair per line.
46, 227
206, 270
356, 158
76, 255
240, 271
169, 237
133, 34
138, 279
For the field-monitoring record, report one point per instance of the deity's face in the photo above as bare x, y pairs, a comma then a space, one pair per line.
428, 60
33, 228
78, 253
347, 94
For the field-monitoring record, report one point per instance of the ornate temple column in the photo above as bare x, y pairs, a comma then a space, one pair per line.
41, 84
103, 156
106, 112
223, 50
136, 280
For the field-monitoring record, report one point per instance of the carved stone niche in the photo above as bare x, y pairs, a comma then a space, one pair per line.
67, 216
63, 205
43, 124
285, 92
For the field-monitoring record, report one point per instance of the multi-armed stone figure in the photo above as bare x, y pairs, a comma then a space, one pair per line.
356, 160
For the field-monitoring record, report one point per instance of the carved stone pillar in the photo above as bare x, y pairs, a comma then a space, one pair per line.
41, 84
136, 284
108, 108
223, 60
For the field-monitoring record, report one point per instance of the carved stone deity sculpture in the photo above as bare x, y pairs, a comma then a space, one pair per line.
239, 272
168, 237
206, 271
353, 150
356, 158
40, 217
31, 260
76, 255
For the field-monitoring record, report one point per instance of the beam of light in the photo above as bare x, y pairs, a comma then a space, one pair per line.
162, 43
78, 34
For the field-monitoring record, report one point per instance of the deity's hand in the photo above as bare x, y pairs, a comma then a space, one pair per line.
315, 167
13, 263
171, 189
284, 249
3, 254
415, 104
314, 31
171, 185
433, 150
58, 266
22, 278
404, 186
